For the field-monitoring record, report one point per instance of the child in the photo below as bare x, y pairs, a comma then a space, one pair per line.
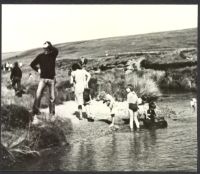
110, 102
151, 113
132, 100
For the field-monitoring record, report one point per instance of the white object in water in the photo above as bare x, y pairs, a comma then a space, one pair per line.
193, 103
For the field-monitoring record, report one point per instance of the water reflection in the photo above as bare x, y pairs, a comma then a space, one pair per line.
119, 151
174, 148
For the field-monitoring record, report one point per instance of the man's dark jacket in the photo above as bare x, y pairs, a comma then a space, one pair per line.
46, 63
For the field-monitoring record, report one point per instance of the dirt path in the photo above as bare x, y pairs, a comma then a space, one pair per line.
83, 130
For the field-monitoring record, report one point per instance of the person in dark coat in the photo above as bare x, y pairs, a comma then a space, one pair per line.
15, 77
44, 64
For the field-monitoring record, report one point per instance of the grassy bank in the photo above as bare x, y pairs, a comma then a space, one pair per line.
21, 141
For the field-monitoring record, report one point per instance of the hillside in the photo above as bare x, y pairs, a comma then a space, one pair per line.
162, 41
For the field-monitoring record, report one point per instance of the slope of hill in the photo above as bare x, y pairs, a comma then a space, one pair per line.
9, 54
161, 41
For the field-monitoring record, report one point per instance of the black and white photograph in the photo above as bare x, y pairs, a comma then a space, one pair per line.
99, 87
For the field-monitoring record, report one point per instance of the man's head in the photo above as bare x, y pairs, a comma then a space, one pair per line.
75, 66
47, 46
16, 64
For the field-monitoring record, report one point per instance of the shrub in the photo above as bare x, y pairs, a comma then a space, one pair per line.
143, 86
14, 116
50, 134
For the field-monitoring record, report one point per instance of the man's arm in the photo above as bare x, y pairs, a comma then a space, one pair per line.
34, 63
54, 51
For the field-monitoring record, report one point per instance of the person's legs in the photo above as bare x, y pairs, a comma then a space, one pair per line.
51, 85
88, 111
38, 96
136, 119
14, 84
79, 99
19, 85
112, 120
131, 119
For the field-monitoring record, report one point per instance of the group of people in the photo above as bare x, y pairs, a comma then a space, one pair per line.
135, 107
9, 66
44, 65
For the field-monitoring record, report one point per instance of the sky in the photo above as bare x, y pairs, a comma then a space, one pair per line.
29, 26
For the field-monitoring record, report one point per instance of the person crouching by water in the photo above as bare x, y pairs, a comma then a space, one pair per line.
151, 112
15, 77
110, 102
132, 100
44, 64
80, 79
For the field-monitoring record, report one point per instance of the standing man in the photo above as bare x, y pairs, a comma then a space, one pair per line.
44, 64
15, 77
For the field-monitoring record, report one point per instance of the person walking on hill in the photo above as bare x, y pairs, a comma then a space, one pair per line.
15, 77
79, 78
44, 64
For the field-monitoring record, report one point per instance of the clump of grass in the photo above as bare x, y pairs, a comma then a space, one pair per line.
49, 134
14, 116
143, 85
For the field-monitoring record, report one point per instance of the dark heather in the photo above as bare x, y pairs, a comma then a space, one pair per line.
47, 63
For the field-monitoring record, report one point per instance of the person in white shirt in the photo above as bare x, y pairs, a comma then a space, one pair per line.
110, 102
80, 79
132, 100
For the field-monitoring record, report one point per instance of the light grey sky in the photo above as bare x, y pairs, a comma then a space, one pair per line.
29, 26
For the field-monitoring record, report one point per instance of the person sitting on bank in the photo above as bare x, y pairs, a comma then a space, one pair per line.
132, 100
110, 102
15, 77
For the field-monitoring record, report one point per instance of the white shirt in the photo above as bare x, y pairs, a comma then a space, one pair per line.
80, 78
132, 97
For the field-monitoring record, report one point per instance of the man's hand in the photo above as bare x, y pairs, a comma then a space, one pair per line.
39, 71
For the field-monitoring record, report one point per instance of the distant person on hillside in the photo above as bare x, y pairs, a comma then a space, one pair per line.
44, 64
110, 102
132, 100
83, 62
15, 77
79, 78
